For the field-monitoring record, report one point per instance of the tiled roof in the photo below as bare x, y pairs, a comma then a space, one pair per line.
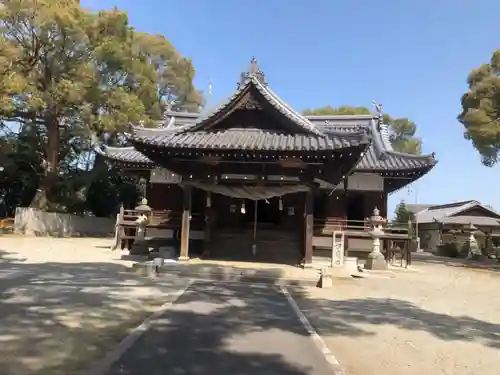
380, 156
249, 139
439, 212
187, 130
415, 208
376, 157
474, 220
393, 161
124, 154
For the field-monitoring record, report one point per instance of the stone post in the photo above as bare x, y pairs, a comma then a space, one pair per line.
325, 280
185, 223
376, 260
140, 246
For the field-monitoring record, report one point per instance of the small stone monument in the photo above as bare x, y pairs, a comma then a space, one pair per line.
376, 260
338, 240
140, 246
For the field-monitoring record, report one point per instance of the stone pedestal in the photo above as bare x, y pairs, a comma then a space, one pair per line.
376, 261
140, 246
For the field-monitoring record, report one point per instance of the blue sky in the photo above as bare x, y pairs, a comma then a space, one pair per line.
413, 56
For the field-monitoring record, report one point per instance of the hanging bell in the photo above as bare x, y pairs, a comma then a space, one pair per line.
280, 204
243, 209
209, 199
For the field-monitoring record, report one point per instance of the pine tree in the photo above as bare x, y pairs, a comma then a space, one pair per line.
402, 214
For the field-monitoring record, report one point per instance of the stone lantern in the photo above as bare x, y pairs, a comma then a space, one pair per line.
376, 260
474, 249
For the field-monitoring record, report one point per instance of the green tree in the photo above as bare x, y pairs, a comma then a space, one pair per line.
402, 215
402, 130
481, 110
76, 77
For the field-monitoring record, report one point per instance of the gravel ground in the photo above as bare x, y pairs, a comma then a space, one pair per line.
66, 302
433, 319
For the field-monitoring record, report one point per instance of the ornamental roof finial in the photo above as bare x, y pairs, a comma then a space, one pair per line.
253, 71
379, 110
254, 66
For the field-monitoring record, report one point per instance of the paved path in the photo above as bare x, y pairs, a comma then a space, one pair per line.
221, 328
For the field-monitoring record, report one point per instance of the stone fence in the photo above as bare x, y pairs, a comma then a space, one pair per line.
30, 221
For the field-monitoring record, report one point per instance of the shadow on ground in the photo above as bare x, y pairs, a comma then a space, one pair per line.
56, 318
350, 317
215, 328
492, 265
51, 310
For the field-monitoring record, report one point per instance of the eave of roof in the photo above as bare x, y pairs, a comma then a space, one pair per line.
128, 155
475, 220
248, 139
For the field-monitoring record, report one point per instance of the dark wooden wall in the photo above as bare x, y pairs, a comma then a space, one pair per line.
164, 197
375, 199
169, 197
335, 205
227, 219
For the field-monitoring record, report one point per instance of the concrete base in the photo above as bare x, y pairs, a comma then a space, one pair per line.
140, 247
325, 280
376, 261
351, 264
183, 259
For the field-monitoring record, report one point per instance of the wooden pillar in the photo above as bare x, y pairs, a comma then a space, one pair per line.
209, 223
185, 224
208, 216
308, 227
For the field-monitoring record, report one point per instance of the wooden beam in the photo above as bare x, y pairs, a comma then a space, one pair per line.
203, 171
185, 224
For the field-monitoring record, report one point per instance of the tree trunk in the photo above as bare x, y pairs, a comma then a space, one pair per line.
98, 168
43, 193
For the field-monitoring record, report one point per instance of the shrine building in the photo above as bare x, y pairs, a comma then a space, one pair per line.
253, 178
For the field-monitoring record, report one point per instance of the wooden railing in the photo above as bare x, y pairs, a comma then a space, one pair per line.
126, 225
329, 225
158, 219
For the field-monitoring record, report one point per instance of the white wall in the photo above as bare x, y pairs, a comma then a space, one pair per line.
30, 221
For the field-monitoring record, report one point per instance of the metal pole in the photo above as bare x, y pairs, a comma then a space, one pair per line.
254, 244
416, 222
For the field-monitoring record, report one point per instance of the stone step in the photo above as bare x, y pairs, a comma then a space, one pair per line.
275, 276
